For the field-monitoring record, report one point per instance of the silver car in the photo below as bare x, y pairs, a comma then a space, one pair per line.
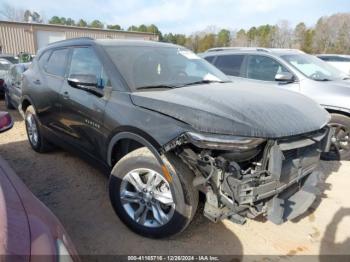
294, 70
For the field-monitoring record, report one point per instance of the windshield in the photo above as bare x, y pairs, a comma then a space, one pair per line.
12, 59
4, 65
313, 67
147, 66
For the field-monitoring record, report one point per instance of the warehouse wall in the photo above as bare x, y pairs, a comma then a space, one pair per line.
22, 37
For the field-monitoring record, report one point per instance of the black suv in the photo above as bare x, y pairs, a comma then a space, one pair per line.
169, 126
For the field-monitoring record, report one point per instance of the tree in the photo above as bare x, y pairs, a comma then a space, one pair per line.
70, 21
133, 28
27, 16
96, 24
206, 42
224, 37
11, 13
241, 38
114, 27
55, 20
282, 35
82, 23
142, 28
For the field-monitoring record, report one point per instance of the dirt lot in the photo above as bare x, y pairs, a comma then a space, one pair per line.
76, 192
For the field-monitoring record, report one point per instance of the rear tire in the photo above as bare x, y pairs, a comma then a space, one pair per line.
8, 102
184, 197
34, 132
340, 147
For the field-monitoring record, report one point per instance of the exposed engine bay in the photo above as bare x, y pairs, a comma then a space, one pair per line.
276, 178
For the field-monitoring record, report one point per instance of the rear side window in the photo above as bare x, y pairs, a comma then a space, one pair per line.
209, 58
43, 58
56, 64
230, 64
263, 68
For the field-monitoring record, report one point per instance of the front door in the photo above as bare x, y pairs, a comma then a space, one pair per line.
83, 111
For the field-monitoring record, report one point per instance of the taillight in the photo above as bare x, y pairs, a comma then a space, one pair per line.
5, 121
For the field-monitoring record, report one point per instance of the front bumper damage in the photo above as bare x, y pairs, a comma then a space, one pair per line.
280, 183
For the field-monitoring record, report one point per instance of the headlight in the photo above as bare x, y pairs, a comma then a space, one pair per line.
223, 142
62, 252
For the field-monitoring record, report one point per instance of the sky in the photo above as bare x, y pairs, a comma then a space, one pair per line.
187, 16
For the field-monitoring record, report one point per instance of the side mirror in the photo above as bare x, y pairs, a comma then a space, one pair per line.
81, 81
6, 122
284, 77
87, 83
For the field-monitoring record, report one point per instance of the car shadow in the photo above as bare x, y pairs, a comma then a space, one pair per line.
329, 249
326, 168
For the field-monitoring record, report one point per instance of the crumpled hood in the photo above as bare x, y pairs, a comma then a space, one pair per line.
242, 109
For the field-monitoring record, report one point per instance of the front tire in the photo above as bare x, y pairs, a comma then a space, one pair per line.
34, 132
146, 201
340, 146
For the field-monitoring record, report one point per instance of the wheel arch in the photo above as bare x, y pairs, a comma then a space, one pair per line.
127, 139
337, 110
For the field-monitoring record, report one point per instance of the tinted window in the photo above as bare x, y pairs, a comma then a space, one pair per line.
4, 65
263, 68
57, 62
230, 64
335, 58
43, 58
85, 62
209, 58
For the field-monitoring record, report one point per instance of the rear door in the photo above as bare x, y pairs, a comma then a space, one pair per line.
47, 86
82, 111
232, 65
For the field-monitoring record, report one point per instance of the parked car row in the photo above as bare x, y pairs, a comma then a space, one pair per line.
296, 71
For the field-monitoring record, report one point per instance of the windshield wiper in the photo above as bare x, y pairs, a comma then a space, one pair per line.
322, 79
156, 86
205, 82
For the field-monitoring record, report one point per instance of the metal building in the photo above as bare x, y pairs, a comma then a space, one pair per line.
16, 37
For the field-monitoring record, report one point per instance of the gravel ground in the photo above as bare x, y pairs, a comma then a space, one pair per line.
76, 193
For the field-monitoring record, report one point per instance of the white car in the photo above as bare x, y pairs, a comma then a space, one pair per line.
341, 62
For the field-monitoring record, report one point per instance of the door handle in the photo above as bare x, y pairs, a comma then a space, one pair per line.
37, 82
65, 95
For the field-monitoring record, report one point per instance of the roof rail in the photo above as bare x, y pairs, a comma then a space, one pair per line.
73, 39
261, 49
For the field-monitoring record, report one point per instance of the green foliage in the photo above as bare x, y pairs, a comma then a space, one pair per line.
82, 23
114, 27
96, 24
55, 20
224, 37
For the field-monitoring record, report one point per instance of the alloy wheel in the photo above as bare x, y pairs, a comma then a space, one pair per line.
32, 129
146, 197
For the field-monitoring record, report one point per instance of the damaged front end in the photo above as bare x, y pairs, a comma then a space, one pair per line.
246, 177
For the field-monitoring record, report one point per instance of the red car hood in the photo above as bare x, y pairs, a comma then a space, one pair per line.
14, 228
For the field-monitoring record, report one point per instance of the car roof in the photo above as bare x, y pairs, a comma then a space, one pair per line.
109, 42
250, 50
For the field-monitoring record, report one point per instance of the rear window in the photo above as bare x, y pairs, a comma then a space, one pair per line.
230, 64
57, 62
335, 58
